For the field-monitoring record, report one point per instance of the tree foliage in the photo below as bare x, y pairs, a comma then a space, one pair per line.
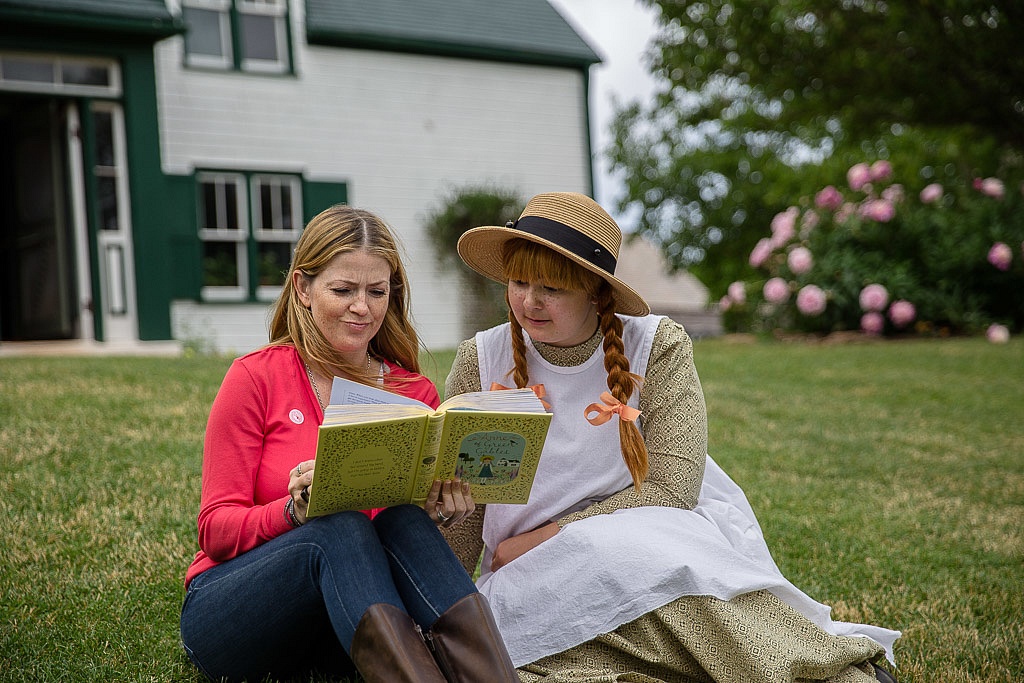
761, 101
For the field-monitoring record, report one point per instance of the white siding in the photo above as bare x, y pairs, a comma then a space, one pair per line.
401, 130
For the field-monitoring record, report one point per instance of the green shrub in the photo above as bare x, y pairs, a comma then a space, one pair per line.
942, 260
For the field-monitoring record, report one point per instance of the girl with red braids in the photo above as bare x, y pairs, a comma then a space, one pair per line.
637, 557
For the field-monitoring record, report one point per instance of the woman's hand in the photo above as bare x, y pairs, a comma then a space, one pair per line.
299, 480
514, 546
449, 502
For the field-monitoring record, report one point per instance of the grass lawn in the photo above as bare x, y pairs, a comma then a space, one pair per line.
888, 478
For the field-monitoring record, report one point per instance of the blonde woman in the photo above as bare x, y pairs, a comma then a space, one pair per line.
272, 593
637, 558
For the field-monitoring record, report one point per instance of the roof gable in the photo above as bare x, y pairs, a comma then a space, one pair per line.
138, 17
506, 30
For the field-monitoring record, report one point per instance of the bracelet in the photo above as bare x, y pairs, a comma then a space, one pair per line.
289, 513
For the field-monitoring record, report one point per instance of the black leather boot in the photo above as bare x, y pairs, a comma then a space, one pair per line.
467, 644
388, 647
883, 675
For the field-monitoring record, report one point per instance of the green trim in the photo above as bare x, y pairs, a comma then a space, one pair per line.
441, 48
586, 126
152, 200
154, 26
320, 195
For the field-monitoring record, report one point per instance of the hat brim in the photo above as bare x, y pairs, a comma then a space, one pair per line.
481, 248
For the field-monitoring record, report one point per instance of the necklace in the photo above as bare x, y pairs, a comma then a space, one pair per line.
316, 389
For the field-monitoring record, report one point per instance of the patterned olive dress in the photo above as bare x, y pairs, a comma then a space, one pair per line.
752, 638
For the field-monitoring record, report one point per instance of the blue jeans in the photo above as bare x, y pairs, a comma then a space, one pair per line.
291, 605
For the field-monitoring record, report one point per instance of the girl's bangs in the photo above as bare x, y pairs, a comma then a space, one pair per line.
532, 262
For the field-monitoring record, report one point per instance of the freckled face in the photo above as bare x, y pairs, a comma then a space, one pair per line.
348, 300
559, 317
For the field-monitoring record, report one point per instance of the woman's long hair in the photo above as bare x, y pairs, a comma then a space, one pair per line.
532, 262
342, 229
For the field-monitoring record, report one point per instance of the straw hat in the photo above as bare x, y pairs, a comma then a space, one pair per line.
571, 224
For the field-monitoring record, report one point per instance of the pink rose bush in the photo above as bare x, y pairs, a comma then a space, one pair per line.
776, 291
1000, 255
800, 260
902, 313
811, 300
997, 334
873, 297
888, 257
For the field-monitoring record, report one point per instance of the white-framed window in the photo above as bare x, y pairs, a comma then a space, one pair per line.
248, 225
249, 35
62, 74
263, 38
208, 38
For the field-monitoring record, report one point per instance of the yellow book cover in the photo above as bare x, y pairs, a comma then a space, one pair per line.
373, 454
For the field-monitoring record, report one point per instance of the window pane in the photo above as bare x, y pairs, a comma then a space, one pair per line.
208, 221
34, 70
220, 264
286, 208
230, 201
205, 35
82, 74
107, 189
104, 121
259, 37
275, 257
267, 221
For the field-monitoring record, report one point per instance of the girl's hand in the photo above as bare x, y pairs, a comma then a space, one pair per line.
300, 478
514, 546
449, 502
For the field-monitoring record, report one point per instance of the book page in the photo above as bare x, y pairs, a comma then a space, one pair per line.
346, 392
505, 401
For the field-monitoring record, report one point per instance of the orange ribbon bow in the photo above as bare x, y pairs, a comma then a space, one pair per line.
536, 388
612, 407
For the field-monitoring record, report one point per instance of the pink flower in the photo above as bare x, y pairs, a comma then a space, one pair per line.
784, 226
738, 292
760, 253
931, 193
725, 303
874, 297
809, 222
828, 198
845, 211
776, 290
894, 194
1000, 255
858, 176
990, 187
881, 170
997, 334
880, 210
810, 300
902, 313
800, 260
872, 323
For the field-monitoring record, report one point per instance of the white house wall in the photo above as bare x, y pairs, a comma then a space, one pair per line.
401, 130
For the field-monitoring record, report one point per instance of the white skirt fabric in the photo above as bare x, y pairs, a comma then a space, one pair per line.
604, 571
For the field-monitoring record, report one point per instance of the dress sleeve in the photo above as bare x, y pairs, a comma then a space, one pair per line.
466, 539
230, 520
465, 373
675, 429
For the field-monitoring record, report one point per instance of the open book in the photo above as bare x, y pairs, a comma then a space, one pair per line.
377, 449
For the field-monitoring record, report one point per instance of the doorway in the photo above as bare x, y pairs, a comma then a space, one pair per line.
38, 289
